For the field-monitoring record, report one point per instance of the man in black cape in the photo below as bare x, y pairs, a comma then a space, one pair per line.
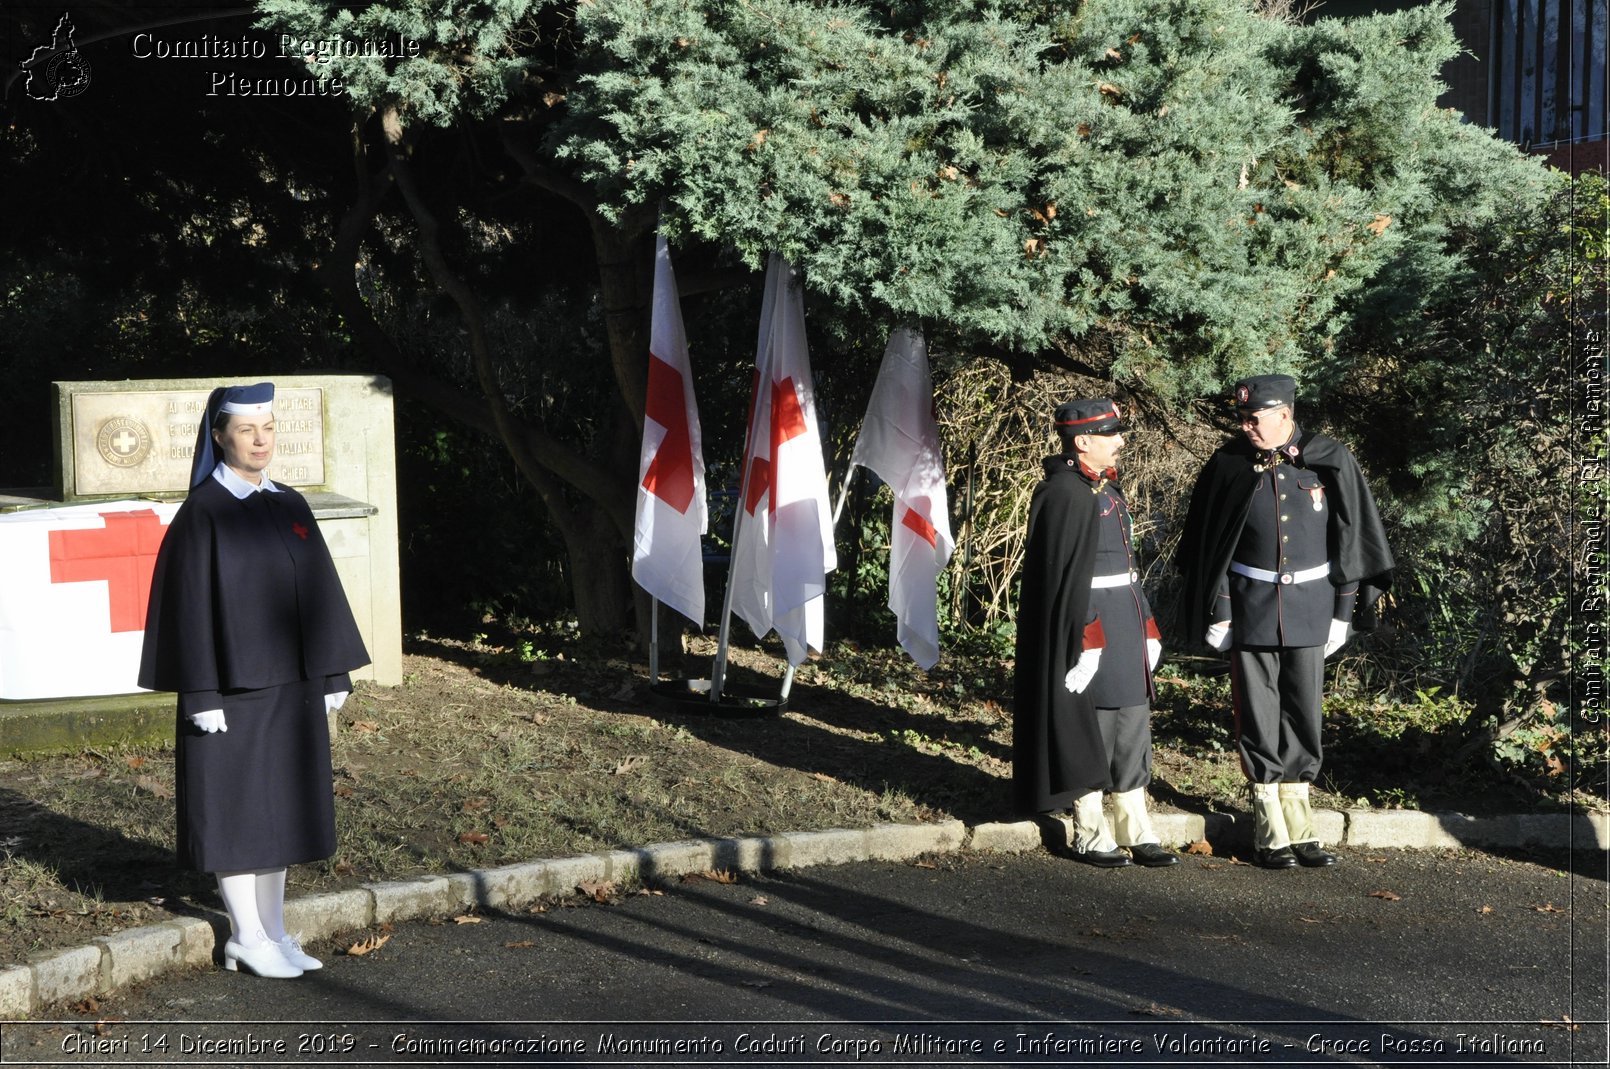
1282, 545
1086, 647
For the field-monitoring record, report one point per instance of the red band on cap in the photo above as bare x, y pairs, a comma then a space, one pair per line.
1088, 419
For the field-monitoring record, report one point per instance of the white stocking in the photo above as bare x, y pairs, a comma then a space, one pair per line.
239, 892
271, 903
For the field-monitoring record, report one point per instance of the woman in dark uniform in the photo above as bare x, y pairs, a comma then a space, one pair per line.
249, 624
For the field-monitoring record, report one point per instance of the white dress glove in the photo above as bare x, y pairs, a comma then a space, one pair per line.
209, 721
1154, 654
1338, 635
1080, 675
332, 702
1218, 636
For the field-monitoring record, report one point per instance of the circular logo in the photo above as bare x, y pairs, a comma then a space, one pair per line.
1242, 394
123, 442
67, 75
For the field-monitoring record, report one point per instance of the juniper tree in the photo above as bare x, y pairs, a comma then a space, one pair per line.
1166, 192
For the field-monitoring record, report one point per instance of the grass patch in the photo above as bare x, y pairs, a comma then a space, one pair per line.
495, 752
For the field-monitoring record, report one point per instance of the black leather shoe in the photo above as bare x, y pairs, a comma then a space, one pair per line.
1102, 859
1153, 856
1312, 855
1279, 858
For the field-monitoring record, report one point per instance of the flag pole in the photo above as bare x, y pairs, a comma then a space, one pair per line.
653, 640
718, 672
844, 492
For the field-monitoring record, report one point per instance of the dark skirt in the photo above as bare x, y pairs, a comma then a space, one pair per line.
258, 796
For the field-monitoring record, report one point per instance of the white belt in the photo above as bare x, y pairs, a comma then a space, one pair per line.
1102, 582
1319, 571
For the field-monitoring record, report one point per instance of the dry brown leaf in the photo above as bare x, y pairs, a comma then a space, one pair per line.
1548, 907
597, 891
551, 99
540, 907
759, 900
839, 200
1485, 909
466, 918
1033, 247
1390, 896
1132, 38
1201, 848
1379, 224
1310, 920
924, 865
365, 726
1083, 129
367, 946
1107, 89
134, 761
650, 891
152, 785
630, 764
721, 876
103, 1025
759, 139
1113, 53
823, 776
88, 1005
343, 791
521, 945
343, 868
475, 805
475, 838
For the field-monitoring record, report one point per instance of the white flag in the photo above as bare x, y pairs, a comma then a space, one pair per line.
667, 560
900, 441
74, 583
784, 539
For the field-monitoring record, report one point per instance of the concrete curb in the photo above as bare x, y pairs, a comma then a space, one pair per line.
114, 961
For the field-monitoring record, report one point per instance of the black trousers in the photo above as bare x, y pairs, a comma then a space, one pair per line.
1126, 734
1277, 694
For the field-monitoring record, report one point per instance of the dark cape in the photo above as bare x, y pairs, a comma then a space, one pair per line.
1057, 752
1357, 540
248, 615
245, 596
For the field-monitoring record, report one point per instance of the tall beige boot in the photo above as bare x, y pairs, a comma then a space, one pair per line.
1132, 827
1299, 813
1092, 842
1270, 840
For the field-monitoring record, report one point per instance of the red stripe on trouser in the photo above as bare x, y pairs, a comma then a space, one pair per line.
1236, 698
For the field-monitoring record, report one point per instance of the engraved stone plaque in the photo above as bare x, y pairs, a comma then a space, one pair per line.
140, 442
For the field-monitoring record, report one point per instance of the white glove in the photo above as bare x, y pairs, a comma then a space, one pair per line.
1080, 675
1338, 635
332, 702
1154, 653
209, 721
1218, 636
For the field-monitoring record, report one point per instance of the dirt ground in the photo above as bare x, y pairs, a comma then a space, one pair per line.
524, 746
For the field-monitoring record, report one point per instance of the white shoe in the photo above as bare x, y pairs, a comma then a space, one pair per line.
264, 959
292, 951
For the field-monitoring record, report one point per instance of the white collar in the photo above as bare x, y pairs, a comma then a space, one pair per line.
240, 487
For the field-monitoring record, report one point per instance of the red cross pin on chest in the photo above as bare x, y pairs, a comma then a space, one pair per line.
298, 530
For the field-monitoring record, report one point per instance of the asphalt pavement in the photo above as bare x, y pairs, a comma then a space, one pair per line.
1392, 958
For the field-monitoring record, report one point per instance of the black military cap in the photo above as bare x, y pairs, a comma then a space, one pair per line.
1265, 391
1090, 415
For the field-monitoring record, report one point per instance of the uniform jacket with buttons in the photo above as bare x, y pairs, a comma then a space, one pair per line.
1303, 505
